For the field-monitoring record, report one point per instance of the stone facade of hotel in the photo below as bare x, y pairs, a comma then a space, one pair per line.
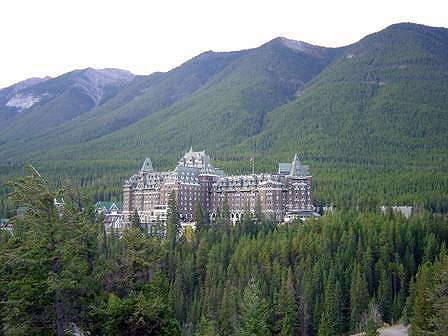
283, 195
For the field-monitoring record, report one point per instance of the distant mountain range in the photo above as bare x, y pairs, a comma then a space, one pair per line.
380, 101
36, 105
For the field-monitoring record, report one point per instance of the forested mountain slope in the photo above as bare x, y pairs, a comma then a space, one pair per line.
385, 97
143, 98
370, 118
194, 101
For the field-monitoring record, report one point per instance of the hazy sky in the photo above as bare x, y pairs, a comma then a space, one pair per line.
51, 37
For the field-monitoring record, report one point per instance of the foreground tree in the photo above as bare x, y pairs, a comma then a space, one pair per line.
50, 265
440, 298
172, 222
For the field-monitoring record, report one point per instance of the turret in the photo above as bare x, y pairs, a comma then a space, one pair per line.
127, 200
147, 166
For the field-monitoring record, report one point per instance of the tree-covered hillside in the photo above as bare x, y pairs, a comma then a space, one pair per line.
370, 119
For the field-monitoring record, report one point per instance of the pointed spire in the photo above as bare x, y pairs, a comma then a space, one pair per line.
147, 166
297, 169
191, 149
295, 166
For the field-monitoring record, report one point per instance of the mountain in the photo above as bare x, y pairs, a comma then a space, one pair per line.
384, 97
230, 89
36, 105
371, 118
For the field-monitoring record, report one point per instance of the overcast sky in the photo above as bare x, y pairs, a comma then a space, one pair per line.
51, 37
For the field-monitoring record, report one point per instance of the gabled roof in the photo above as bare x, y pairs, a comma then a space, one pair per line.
108, 205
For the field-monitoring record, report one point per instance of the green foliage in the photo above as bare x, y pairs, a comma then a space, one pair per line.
428, 299
48, 270
310, 278
359, 297
253, 311
370, 121
371, 328
59, 267
206, 328
135, 221
139, 315
172, 222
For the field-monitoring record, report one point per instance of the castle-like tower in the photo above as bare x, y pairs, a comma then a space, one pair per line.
282, 195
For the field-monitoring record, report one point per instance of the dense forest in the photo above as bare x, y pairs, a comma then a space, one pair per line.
346, 272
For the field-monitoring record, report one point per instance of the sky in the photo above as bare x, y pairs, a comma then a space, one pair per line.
51, 37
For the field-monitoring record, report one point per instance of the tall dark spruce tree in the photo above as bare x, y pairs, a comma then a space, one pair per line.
253, 311
50, 267
172, 232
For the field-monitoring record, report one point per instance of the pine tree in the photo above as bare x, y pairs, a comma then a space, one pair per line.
259, 216
371, 328
422, 309
286, 309
228, 313
172, 222
199, 218
51, 270
135, 221
328, 323
359, 297
225, 216
440, 298
253, 312
384, 294
207, 328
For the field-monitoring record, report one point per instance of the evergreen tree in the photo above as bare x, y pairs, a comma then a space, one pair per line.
253, 311
172, 222
225, 223
286, 307
139, 314
371, 328
199, 218
328, 323
172, 232
259, 216
384, 294
228, 313
206, 328
50, 269
158, 230
359, 297
135, 221
440, 298
422, 310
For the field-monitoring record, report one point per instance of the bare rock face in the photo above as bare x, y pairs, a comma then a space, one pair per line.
38, 104
94, 82
15, 96
303, 47
23, 101
26, 94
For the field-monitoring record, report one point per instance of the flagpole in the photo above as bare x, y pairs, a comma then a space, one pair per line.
253, 159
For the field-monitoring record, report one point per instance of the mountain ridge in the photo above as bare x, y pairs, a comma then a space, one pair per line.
45, 103
377, 106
